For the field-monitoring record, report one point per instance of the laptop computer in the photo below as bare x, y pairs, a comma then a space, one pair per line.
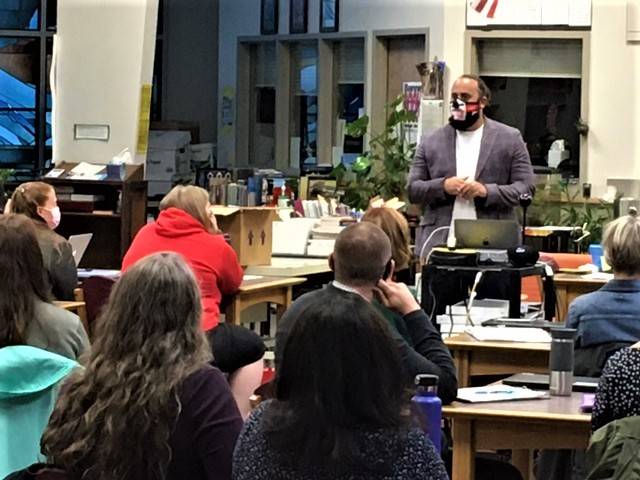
539, 381
79, 244
486, 233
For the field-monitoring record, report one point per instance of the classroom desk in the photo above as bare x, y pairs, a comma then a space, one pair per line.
260, 290
475, 357
570, 286
291, 267
552, 423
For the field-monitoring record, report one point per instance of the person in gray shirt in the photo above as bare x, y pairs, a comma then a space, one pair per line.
26, 315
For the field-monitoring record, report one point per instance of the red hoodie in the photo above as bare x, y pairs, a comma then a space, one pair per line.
213, 261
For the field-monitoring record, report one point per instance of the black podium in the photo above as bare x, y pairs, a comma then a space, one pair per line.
444, 285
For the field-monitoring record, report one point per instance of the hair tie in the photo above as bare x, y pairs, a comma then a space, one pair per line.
633, 211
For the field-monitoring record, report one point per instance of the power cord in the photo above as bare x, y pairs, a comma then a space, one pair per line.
472, 296
426, 242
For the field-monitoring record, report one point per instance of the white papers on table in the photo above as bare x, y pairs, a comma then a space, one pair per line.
509, 334
291, 236
498, 393
251, 277
598, 276
87, 171
98, 272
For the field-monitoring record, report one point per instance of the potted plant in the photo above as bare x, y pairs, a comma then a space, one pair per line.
558, 205
382, 171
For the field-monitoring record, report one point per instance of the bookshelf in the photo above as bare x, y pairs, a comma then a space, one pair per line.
114, 218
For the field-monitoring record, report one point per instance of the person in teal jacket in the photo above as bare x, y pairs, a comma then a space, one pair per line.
29, 382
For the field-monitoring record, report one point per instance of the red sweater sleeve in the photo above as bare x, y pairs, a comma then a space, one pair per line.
231, 273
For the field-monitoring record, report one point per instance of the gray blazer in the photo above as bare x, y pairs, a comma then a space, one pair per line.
503, 167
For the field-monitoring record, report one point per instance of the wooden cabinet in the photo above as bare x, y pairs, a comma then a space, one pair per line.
114, 218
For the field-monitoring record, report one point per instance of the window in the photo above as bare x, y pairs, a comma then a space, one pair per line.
263, 105
349, 89
26, 46
304, 105
536, 85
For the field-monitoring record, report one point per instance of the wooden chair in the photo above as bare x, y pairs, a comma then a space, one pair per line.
96, 292
81, 310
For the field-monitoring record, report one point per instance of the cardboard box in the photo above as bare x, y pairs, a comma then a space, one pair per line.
250, 229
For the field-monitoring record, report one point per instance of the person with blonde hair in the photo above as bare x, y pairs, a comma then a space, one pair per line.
186, 226
37, 200
612, 313
395, 225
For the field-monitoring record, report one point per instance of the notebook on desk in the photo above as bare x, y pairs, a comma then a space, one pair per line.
540, 381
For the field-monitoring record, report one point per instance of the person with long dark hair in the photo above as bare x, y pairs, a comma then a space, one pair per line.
37, 200
341, 409
27, 317
148, 404
38, 345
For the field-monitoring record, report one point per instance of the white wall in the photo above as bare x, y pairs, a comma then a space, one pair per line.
242, 18
614, 97
105, 53
613, 145
190, 68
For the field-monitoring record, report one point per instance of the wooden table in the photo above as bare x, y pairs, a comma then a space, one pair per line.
475, 357
291, 267
260, 290
569, 287
520, 426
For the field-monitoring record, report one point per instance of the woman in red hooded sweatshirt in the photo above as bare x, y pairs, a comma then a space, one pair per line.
186, 226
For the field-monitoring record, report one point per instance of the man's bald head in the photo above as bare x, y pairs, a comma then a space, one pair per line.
360, 255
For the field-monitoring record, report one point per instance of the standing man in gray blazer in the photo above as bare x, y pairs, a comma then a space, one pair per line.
472, 168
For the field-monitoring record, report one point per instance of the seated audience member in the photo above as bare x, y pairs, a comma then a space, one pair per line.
148, 403
618, 394
186, 226
605, 321
612, 452
362, 263
396, 227
29, 380
26, 315
38, 345
611, 315
37, 200
341, 410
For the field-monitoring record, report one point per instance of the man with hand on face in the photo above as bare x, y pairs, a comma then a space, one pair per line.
362, 263
472, 168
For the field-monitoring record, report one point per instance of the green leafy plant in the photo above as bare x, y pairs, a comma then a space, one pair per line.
567, 210
383, 169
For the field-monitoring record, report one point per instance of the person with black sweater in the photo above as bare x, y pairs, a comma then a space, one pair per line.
362, 264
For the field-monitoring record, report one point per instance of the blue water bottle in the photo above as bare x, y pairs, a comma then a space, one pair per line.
430, 405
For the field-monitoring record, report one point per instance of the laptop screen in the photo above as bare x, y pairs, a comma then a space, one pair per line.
79, 244
486, 233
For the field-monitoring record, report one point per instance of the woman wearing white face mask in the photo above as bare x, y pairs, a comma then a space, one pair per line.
37, 200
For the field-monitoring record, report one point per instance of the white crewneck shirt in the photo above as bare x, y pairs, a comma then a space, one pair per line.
467, 153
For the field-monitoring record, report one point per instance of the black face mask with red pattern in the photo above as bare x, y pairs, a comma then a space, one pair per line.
463, 114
